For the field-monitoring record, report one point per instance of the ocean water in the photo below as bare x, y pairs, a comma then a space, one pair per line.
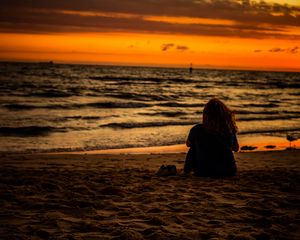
59, 107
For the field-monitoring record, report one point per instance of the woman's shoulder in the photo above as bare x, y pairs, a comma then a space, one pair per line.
196, 129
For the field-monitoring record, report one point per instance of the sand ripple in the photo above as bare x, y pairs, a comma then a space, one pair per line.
119, 197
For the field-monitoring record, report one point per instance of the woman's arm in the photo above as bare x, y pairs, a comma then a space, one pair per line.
188, 164
188, 143
235, 145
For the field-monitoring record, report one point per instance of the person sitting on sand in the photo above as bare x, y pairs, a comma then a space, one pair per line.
212, 142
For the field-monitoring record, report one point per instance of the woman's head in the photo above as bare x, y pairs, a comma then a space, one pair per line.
217, 117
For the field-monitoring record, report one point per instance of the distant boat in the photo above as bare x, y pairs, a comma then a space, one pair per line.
191, 68
47, 63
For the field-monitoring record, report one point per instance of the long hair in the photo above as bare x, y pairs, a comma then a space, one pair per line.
218, 118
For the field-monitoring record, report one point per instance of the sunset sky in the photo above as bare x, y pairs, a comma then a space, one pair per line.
240, 34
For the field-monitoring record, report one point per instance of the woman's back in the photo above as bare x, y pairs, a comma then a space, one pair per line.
210, 154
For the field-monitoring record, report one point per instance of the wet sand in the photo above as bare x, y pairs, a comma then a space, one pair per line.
118, 196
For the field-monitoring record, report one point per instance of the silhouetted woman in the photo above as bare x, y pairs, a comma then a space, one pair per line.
211, 143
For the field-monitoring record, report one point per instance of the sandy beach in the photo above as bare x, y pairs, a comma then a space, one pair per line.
118, 196
97, 96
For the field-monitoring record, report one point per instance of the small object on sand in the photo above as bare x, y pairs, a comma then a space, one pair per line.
291, 138
270, 146
248, 148
169, 170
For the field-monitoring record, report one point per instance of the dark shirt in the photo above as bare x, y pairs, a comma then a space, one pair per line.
210, 154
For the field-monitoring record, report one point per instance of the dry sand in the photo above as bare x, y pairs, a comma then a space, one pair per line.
92, 196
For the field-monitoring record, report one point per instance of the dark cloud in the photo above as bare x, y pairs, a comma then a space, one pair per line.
46, 23
293, 50
277, 50
182, 48
257, 50
251, 19
167, 46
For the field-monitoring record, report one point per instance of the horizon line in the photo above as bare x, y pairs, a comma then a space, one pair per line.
176, 66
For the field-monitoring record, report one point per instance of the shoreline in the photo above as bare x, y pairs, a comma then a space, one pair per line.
249, 143
258, 143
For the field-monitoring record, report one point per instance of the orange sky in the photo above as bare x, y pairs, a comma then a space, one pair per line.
118, 36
